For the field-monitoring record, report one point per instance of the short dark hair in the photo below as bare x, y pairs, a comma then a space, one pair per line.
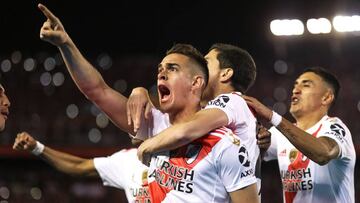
240, 61
194, 54
328, 77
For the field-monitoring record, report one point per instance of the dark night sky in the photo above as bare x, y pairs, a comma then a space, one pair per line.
153, 26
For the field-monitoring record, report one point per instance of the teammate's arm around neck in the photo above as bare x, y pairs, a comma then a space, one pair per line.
183, 133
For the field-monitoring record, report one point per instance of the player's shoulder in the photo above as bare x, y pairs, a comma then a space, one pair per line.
231, 96
333, 122
335, 128
223, 100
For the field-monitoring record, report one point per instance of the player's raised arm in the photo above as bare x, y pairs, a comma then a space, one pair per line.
87, 78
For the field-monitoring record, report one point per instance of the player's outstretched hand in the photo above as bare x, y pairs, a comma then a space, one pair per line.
52, 30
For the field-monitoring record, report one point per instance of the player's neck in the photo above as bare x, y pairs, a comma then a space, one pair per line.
307, 121
184, 114
224, 89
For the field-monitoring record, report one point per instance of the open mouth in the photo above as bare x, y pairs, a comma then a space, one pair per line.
294, 99
164, 93
5, 114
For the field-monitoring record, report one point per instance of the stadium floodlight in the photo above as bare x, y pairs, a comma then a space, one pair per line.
346, 23
318, 26
287, 27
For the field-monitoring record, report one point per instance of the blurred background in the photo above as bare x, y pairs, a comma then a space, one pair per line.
125, 40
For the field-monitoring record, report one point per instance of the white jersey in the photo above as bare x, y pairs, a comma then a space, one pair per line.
242, 122
205, 170
305, 181
123, 170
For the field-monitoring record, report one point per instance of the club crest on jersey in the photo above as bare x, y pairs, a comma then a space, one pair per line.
233, 138
243, 156
338, 131
144, 178
192, 153
293, 154
220, 101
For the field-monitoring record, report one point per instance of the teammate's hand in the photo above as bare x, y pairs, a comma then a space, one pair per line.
261, 109
52, 30
142, 153
24, 141
138, 105
263, 138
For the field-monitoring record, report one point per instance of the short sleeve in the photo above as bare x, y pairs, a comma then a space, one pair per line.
337, 131
230, 104
234, 168
113, 169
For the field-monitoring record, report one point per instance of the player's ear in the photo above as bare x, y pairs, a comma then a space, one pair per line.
198, 82
226, 74
328, 97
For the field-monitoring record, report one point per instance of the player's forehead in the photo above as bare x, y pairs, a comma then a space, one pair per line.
174, 58
308, 77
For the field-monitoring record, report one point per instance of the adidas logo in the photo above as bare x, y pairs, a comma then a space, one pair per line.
282, 153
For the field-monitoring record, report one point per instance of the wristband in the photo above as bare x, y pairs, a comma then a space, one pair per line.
275, 119
39, 148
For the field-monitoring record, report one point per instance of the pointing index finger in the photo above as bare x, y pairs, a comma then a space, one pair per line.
47, 13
